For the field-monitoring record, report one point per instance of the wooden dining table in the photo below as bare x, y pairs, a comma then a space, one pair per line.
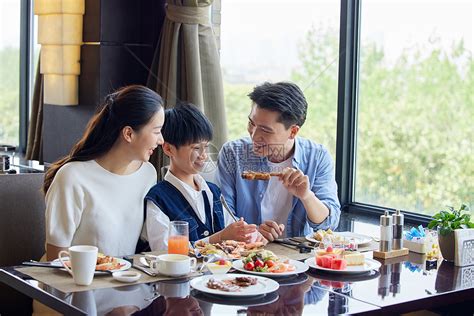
402, 284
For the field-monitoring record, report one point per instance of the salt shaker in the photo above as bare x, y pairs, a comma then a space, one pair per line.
397, 230
385, 232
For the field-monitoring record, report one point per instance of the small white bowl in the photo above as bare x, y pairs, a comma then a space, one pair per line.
126, 276
216, 268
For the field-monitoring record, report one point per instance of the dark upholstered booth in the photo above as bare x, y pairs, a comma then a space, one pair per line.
22, 231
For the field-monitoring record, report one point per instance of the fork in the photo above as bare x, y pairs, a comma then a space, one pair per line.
227, 208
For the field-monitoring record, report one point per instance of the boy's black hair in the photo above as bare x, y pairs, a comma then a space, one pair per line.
185, 124
283, 97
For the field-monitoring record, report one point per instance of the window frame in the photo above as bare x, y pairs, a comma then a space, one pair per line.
26, 51
348, 90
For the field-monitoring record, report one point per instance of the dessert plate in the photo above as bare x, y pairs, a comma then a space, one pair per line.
369, 265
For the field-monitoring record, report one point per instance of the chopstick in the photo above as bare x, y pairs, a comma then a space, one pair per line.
227, 208
302, 248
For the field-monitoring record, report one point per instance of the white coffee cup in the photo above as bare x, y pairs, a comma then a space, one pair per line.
173, 264
83, 260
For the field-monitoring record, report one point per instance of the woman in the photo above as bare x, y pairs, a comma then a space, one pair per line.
94, 196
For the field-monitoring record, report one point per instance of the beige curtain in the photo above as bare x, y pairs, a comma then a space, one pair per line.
34, 146
186, 66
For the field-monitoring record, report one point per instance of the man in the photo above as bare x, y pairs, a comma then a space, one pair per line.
304, 197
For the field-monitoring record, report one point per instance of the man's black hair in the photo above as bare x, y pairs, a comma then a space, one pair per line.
185, 124
283, 97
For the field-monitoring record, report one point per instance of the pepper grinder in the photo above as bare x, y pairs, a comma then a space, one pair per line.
386, 232
397, 230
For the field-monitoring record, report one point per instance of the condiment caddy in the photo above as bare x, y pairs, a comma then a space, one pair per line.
391, 241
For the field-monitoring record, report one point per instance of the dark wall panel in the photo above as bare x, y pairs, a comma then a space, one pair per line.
62, 128
124, 34
123, 21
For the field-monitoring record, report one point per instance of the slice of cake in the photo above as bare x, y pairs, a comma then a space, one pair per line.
353, 258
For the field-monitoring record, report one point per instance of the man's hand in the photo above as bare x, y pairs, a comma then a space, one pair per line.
271, 230
240, 231
296, 182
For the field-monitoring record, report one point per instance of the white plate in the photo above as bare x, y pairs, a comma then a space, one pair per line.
370, 264
300, 267
126, 265
358, 238
263, 286
310, 238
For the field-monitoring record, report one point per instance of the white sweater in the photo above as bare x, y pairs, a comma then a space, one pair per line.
88, 205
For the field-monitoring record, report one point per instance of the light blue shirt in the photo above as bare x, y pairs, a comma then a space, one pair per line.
245, 197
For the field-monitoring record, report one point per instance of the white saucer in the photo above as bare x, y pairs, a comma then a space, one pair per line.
126, 276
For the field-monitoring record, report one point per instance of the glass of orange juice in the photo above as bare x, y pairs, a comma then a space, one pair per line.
178, 239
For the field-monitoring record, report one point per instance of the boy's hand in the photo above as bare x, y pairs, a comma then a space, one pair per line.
271, 230
240, 231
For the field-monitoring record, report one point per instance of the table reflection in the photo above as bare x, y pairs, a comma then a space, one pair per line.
173, 306
110, 301
292, 299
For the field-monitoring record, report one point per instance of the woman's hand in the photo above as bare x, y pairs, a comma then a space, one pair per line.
240, 231
52, 252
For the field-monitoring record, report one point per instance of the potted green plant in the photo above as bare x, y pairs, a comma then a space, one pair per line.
446, 222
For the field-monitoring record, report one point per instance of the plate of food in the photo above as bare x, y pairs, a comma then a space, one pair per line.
105, 264
266, 263
341, 266
236, 285
338, 237
229, 249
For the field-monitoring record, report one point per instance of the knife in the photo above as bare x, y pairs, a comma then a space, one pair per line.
42, 264
54, 266
142, 269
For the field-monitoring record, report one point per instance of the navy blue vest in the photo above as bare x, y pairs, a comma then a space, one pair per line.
174, 205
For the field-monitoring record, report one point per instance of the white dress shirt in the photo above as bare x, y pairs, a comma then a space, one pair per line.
277, 201
157, 223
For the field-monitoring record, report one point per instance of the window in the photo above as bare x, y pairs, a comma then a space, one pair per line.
9, 71
282, 41
415, 129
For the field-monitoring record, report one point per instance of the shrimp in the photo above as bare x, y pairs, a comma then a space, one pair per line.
281, 268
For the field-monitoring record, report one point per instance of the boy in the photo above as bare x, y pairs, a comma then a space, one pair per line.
184, 195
